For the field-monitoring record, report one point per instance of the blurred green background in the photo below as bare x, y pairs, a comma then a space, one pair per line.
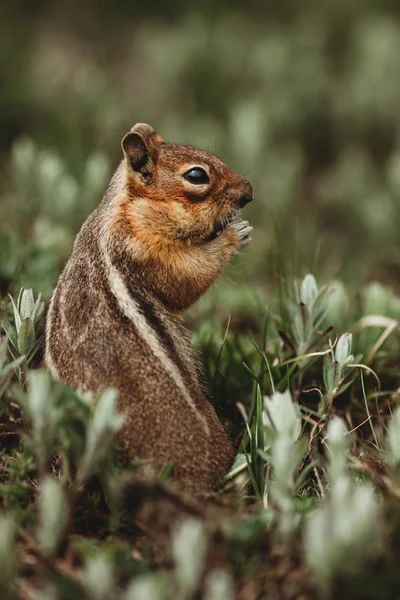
303, 98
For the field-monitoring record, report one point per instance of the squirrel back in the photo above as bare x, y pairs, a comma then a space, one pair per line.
163, 232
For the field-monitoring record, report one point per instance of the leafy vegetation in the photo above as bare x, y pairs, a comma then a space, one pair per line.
313, 493
300, 340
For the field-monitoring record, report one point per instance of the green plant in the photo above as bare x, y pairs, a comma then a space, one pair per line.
343, 533
283, 451
23, 332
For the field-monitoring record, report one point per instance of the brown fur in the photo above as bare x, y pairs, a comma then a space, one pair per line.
150, 249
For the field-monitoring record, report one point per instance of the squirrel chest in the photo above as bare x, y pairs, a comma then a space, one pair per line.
162, 234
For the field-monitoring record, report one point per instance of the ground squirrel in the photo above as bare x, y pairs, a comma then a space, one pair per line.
160, 237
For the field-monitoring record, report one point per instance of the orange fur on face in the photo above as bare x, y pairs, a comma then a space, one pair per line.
164, 225
168, 209
174, 229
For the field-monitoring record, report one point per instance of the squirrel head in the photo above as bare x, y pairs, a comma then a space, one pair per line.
182, 193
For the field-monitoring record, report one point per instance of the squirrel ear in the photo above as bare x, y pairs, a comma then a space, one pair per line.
135, 151
139, 145
148, 134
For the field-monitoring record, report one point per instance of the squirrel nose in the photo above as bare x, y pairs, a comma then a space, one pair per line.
246, 195
245, 200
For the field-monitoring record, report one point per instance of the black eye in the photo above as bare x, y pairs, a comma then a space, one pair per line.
197, 175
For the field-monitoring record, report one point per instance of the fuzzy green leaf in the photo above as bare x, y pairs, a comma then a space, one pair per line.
308, 290
7, 549
26, 336
26, 304
219, 586
52, 515
98, 577
146, 587
189, 545
393, 440
17, 317
343, 349
102, 429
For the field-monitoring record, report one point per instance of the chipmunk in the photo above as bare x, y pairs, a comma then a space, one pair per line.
162, 234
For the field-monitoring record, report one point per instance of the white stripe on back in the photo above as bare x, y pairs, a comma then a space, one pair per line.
131, 310
48, 359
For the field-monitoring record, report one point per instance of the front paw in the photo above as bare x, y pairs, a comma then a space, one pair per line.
242, 231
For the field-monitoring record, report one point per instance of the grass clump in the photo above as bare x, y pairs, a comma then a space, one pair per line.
309, 507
